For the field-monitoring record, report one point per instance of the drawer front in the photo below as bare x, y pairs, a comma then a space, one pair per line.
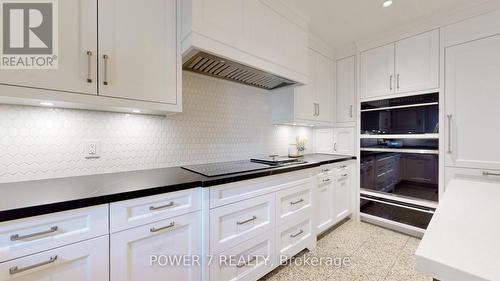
293, 237
233, 192
83, 261
471, 174
294, 201
35, 234
136, 212
236, 223
247, 261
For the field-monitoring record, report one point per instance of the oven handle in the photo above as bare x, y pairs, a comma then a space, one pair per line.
397, 205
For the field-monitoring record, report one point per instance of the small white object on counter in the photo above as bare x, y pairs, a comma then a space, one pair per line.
462, 242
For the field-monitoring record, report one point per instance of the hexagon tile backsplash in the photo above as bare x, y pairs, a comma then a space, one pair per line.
221, 121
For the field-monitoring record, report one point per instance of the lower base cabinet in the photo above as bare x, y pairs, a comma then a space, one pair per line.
159, 251
83, 261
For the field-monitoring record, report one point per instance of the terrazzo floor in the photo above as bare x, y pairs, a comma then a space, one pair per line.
374, 253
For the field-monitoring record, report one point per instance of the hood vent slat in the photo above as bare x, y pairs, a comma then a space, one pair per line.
214, 66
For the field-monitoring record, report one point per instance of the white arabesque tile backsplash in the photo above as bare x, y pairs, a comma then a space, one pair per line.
221, 121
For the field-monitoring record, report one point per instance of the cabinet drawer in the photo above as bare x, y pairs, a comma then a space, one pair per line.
251, 260
234, 192
136, 212
83, 261
35, 234
235, 223
293, 237
294, 201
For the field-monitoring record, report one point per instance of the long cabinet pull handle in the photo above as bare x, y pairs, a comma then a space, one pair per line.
485, 173
89, 65
326, 180
390, 82
318, 110
247, 221
14, 270
398, 81
17, 237
351, 111
449, 116
325, 170
246, 263
154, 229
297, 202
296, 234
105, 80
169, 205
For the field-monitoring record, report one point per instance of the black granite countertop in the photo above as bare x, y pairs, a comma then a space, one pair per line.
32, 198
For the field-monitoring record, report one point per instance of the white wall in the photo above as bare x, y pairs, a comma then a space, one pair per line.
221, 121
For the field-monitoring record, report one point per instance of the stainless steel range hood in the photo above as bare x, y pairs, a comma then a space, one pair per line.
211, 65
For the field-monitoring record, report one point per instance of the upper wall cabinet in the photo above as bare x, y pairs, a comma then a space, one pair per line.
346, 91
311, 104
409, 65
135, 66
263, 34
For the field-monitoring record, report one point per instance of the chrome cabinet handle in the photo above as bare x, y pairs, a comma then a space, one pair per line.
246, 221
325, 170
296, 234
351, 111
297, 202
449, 116
153, 208
105, 81
334, 146
89, 63
390, 82
485, 173
397, 81
14, 270
326, 180
344, 175
154, 229
16, 237
246, 263
318, 110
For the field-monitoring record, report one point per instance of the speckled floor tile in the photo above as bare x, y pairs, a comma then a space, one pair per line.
373, 253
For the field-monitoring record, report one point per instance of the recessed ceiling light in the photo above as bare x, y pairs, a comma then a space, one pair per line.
387, 3
136, 111
44, 103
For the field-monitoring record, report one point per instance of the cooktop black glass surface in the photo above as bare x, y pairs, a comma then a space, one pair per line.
226, 168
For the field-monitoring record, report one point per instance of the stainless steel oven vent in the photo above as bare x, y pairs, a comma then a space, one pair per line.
214, 66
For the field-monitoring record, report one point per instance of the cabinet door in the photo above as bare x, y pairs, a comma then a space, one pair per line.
346, 89
77, 36
305, 97
178, 237
342, 194
471, 102
343, 141
323, 140
417, 62
324, 87
138, 50
84, 261
325, 203
377, 72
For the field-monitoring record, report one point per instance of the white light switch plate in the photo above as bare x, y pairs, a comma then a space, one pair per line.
92, 149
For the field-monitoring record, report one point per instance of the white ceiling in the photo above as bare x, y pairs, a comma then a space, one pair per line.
342, 22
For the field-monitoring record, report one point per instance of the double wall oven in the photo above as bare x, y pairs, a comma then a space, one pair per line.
399, 160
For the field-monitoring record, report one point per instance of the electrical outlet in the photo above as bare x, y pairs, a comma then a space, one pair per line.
92, 149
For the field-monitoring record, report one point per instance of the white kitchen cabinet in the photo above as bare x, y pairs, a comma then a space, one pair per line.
323, 141
343, 141
417, 63
408, 65
138, 58
377, 72
84, 261
178, 237
343, 192
77, 53
325, 207
311, 104
346, 91
471, 104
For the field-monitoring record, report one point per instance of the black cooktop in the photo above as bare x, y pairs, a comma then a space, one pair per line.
226, 168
